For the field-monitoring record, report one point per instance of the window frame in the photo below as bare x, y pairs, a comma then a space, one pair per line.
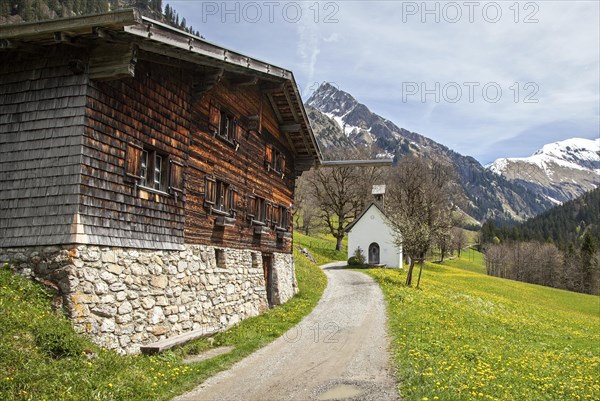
227, 126
275, 159
223, 196
140, 170
148, 170
257, 210
224, 124
281, 218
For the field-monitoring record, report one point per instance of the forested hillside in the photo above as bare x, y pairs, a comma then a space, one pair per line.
563, 225
559, 248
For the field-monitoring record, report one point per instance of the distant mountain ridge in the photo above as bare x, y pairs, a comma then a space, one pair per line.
341, 123
560, 171
564, 224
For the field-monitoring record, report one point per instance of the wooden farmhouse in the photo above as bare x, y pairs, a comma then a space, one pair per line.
147, 175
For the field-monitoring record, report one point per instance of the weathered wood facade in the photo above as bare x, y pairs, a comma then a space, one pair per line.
42, 110
153, 172
77, 122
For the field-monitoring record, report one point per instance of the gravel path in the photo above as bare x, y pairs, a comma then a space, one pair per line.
338, 352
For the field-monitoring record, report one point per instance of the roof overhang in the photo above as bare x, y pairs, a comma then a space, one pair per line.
158, 42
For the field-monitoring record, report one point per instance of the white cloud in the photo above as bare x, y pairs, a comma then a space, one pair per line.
308, 48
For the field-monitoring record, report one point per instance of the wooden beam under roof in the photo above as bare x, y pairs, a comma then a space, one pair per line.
113, 61
67, 39
290, 128
290, 104
275, 108
166, 60
204, 83
313, 147
6, 44
243, 81
271, 87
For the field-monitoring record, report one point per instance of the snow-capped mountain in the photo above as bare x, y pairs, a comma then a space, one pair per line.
560, 171
363, 127
342, 124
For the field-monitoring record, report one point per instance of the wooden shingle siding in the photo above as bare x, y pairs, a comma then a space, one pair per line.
42, 108
70, 166
150, 109
243, 168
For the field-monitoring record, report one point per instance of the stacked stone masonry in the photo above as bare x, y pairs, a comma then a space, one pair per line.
125, 298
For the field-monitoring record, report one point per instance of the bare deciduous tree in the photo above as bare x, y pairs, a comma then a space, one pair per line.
341, 193
459, 239
306, 213
419, 204
336, 193
444, 242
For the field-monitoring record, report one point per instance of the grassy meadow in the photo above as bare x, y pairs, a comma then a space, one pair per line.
41, 358
468, 336
461, 336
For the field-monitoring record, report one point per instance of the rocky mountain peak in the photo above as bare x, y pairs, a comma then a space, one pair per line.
327, 98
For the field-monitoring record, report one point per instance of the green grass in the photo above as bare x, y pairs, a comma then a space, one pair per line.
470, 260
41, 358
322, 247
468, 336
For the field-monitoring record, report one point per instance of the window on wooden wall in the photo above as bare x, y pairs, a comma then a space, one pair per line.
258, 210
224, 125
220, 196
153, 169
281, 218
227, 126
274, 159
276, 216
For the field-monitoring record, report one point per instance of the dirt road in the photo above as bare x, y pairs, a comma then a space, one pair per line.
338, 352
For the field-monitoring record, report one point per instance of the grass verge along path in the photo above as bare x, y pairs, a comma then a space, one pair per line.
468, 336
41, 358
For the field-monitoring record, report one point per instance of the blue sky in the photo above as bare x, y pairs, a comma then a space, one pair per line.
487, 79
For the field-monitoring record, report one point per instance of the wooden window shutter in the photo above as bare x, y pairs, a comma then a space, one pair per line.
232, 134
239, 131
269, 155
282, 164
176, 176
133, 161
251, 207
288, 219
214, 118
210, 191
276, 216
268, 212
233, 193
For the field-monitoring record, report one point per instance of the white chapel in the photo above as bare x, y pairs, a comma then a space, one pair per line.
373, 233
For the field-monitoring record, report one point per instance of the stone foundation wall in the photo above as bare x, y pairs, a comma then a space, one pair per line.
284, 278
124, 298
